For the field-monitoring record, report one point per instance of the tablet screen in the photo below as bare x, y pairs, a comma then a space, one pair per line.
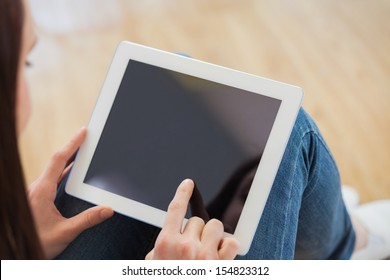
166, 126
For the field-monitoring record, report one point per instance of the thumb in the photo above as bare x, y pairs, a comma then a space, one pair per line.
88, 218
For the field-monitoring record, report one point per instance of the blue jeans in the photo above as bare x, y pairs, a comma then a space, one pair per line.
304, 217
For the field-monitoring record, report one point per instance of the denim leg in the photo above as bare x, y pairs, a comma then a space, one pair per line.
305, 216
119, 237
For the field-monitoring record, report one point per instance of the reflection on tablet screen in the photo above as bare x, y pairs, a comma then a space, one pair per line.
165, 126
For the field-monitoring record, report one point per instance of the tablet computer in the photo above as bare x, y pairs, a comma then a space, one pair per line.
163, 117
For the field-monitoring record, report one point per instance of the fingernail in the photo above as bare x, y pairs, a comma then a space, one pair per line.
187, 181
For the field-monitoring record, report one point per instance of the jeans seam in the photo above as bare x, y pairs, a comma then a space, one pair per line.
288, 212
322, 143
292, 186
289, 199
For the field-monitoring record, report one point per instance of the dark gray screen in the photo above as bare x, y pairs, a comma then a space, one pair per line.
165, 126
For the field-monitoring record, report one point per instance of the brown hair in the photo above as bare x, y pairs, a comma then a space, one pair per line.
18, 236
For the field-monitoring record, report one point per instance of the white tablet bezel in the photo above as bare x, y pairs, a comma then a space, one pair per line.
289, 95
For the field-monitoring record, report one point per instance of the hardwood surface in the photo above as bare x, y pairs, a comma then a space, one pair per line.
337, 51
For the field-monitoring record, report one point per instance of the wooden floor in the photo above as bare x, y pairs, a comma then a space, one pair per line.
338, 51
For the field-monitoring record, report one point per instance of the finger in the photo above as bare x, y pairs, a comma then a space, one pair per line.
212, 234
150, 255
58, 161
178, 207
87, 219
68, 166
65, 173
71, 158
194, 228
228, 249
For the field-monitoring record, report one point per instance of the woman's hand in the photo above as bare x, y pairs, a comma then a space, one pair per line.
55, 231
198, 240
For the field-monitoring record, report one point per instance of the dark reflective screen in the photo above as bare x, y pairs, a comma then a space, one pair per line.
165, 126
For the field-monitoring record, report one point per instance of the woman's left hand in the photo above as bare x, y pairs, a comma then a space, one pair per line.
55, 231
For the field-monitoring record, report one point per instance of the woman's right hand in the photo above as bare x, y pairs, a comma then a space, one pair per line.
197, 240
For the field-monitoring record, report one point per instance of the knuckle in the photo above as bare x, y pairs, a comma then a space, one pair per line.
59, 156
32, 194
163, 243
175, 206
177, 248
197, 220
206, 254
232, 243
185, 249
89, 219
